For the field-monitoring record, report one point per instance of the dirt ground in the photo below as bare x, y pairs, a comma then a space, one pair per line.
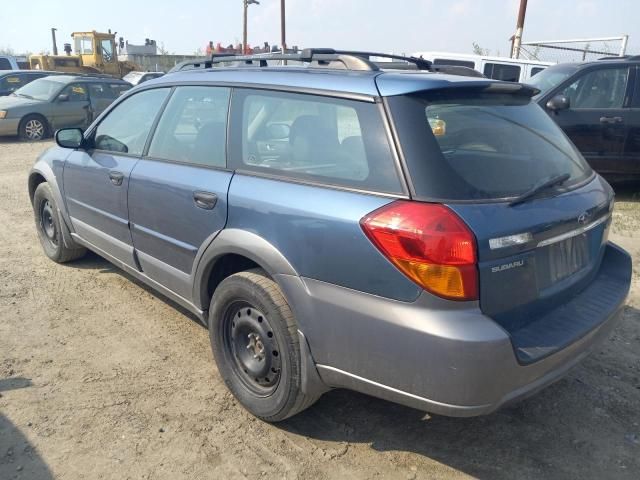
102, 378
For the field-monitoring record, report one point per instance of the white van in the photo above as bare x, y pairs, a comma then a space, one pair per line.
499, 68
9, 62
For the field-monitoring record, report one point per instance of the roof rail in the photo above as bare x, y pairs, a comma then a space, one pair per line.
351, 59
630, 58
91, 75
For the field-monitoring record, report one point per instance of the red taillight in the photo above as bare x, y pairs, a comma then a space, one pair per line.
430, 244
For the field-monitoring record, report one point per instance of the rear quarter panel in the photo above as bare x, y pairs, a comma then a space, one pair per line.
317, 230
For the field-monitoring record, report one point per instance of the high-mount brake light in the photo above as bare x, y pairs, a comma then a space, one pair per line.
430, 244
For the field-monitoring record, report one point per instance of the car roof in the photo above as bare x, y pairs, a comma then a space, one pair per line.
85, 78
369, 83
13, 72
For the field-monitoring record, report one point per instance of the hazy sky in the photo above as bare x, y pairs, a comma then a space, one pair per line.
391, 25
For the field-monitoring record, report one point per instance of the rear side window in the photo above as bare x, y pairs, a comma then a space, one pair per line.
329, 140
536, 70
602, 88
125, 128
500, 71
480, 146
5, 64
193, 127
457, 63
106, 91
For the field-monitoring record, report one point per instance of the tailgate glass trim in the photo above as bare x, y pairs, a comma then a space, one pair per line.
573, 233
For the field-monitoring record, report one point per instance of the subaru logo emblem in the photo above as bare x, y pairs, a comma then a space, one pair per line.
582, 218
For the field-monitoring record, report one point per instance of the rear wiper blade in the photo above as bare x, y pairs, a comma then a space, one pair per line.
539, 187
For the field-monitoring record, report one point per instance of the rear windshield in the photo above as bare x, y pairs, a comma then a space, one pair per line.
481, 146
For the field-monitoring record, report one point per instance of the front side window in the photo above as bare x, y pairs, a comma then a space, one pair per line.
603, 88
481, 146
500, 71
75, 93
536, 70
5, 64
334, 141
193, 127
106, 48
126, 128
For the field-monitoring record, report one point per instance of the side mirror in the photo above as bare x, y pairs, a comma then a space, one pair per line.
69, 137
559, 102
278, 131
63, 97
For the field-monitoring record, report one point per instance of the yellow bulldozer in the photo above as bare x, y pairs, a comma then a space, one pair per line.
94, 53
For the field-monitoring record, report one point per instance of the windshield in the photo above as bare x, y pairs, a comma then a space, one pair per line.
477, 146
41, 89
551, 77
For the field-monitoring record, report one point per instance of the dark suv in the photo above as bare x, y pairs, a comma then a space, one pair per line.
430, 239
597, 104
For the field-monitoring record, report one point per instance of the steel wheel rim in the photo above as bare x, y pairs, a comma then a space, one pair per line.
252, 349
48, 224
34, 129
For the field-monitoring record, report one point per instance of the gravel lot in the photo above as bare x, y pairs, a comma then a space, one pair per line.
102, 378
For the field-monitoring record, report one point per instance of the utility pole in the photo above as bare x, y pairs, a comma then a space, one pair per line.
517, 38
53, 39
283, 29
244, 23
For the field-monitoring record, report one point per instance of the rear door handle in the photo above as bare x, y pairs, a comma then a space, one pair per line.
610, 120
205, 200
116, 177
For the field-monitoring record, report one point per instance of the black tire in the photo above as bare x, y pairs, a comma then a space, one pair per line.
33, 128
250, 303
49, 228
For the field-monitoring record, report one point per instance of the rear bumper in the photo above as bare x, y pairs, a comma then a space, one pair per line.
435, 355
9, 126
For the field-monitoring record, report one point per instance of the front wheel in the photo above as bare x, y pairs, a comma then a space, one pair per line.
255, 344
49, 227
33, 128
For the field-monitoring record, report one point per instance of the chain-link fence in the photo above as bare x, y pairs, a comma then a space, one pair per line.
577, 50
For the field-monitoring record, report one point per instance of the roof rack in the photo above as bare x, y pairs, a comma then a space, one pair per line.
328, 57
91, 75
350, 59
629, 58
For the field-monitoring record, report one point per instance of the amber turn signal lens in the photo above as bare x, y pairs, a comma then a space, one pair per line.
430, 244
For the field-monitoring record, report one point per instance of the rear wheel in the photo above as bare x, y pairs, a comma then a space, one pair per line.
49, 227
33, 128
255, 344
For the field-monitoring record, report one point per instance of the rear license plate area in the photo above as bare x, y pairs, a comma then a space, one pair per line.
560, 260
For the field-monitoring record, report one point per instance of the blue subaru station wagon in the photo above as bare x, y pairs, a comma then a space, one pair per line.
342, 222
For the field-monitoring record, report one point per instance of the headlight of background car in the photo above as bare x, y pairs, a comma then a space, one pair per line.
3, 113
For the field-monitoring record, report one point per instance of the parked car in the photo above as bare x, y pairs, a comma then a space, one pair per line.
12, 80
498, 68
9, 62
135, 78
429, 239
41, 107
597, 104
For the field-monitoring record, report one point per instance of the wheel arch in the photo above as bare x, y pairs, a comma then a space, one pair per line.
43, 173
232, 251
